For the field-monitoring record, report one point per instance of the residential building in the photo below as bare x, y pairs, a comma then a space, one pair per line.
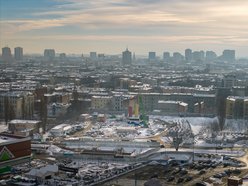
17, 105
177, 57
166, 56
18, 53
228, 55
24, 127
126, 57
49, 54
172, 107
152, 56
101, 102
188, 54
237, 107
210, 56
6, 54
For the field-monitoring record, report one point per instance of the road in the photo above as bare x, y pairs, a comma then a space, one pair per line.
157, 138
80, 133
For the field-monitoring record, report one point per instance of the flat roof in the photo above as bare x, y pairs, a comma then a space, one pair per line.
6, 138
18, 121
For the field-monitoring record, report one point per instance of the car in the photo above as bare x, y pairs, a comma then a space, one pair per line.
180, 180
183, 172
236, 171
200, 184
189, 178
171, 178
202, 172
217, 176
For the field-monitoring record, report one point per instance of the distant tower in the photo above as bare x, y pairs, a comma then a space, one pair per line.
49, 54
166, 56
152, 56
93, 55
177, 57
18, 53
126, 57
210, 56
188, 54
6, 54
229, 55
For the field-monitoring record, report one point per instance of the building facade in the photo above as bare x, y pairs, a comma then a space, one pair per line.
18, 53
126, 57
6, 54
237, 107
16, 105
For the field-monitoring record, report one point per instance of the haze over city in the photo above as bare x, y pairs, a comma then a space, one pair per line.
124, 92
74, 26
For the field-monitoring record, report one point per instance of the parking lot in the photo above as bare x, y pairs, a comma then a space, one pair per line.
208, 170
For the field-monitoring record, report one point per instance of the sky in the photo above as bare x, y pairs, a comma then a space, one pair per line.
81, 26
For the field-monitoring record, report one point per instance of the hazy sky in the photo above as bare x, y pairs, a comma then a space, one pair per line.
80, 26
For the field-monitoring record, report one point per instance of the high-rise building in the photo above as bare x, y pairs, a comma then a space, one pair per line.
126, 57
198, 55
6, 54
177, 57
210, 56
18, 53
188, 54
229, 55
152, 56
49, 54
93, 55
166, 56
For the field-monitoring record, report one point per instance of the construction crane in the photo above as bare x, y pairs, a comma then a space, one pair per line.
143, 117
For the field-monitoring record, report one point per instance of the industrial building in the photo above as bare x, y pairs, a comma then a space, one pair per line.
24, 127
13, 150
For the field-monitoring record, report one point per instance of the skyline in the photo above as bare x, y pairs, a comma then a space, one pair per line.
143, 25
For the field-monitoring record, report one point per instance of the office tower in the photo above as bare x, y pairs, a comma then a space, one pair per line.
210, 56
93, 55
166, 56
126, 57
228, 55
196, 56
6, 54
49, 54
188, 54
152, 56
177, 57
18, 53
